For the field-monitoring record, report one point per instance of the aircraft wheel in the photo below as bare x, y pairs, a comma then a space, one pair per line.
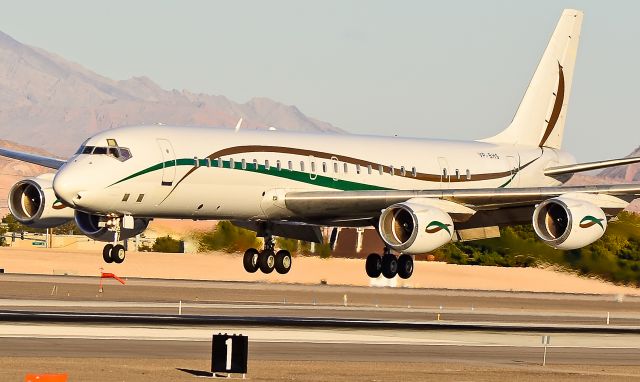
389, 266
106, 253
267, 261
118, 253
283, 262
373, 265
250, 260
405, 266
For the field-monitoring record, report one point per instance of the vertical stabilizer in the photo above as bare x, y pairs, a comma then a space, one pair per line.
541, 116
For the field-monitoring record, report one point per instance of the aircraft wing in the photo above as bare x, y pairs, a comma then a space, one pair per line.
344, 205
580, 167
43, 161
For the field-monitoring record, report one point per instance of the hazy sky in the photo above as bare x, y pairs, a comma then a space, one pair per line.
442, 69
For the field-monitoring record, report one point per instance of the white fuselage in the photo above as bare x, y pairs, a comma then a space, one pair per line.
205, 173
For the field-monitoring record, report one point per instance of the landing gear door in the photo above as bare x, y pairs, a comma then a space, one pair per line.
168, 162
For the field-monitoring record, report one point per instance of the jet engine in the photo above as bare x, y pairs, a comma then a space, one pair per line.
567, 223
414, 228
95, 227
33, 203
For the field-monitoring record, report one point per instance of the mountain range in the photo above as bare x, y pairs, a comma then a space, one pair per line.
52, 103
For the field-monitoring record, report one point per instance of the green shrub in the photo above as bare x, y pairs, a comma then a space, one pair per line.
229, 238
167, 244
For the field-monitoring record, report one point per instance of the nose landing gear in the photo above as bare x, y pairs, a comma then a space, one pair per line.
267, 260
115, 252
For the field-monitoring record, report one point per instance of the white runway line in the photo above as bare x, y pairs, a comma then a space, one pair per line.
326, 336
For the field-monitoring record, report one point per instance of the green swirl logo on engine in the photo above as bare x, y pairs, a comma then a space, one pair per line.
436, 226
57, 205
590, 221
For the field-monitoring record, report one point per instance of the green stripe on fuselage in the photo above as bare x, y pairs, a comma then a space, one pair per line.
321, 181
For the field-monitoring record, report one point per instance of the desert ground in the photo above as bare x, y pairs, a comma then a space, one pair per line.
305, 270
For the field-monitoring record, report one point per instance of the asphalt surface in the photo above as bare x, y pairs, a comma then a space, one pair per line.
59, 316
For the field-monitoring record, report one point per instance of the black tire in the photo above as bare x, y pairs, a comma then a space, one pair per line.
118, 253
250, 260
405, 266
389, 266
283, 262
373, 265
267, 261
106, 253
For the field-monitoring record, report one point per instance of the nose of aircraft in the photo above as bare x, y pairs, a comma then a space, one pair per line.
67, 186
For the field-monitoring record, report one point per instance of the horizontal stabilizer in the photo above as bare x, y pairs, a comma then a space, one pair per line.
43, 161
581, 167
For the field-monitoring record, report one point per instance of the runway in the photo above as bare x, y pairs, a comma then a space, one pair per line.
64, 321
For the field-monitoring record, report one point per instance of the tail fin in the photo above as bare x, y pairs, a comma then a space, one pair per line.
541, 116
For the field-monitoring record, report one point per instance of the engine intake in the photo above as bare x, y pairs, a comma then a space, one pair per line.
33, 203
415, 228
567, 223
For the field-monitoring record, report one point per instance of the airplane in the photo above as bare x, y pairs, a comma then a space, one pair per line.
419, 194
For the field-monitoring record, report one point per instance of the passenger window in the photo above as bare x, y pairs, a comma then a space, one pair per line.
278, 165
290, 165
468, 174
346, 168
220, 162
324, 166
267, 166
414, 172
232, 163
196, 162
444, 172
313, 167
381, 169
335, 167
302, 166
208, 162
458, 174
392, 170
369, 169
358, 169
403, 172
244, 164
255, 164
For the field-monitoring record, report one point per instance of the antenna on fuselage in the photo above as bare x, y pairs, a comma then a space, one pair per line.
238, 125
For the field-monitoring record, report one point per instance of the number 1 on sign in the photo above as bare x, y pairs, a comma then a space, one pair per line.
229, 343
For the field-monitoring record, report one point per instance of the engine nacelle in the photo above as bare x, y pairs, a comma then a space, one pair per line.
569, 223
415, 228
33, 203
94, 227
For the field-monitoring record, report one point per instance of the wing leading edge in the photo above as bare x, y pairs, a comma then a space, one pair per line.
40, 160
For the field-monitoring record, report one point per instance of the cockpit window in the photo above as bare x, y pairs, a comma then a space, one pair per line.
120, 153
87, 149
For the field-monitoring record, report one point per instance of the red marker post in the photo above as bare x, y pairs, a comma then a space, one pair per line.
108, 275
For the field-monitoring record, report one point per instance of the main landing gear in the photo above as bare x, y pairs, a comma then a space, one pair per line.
267, 260
389, 265
115, 252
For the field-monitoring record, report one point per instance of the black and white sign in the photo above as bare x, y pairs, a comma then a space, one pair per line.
229, 353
